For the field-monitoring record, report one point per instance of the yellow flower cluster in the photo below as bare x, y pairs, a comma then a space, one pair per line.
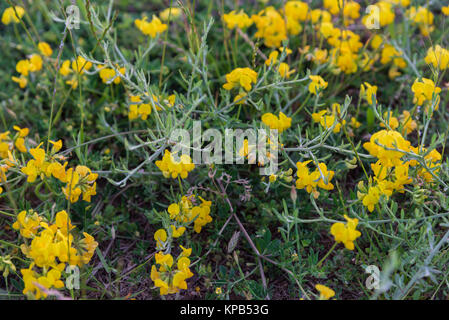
249, 152
327, 121
109, 75
153, 28
283, 68
432, 161
325, 292
345, 47
78, 66
383, 145
78, 181
12, 15
45, 49
282, 123
445, 10
8, 142
391, 172
273, 26
423, 18
173, 13
237, 20
181, 215
368, 92
172, 168
381, 12
389, 54
405, 121
386, 181
170, 278
346, 233
350, 9
52, 246
310, 181
139, 109
317, 85
425, 92
241, 78
438, 57
25, 67
186, 211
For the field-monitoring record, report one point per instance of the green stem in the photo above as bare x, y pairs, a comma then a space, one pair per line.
327, 254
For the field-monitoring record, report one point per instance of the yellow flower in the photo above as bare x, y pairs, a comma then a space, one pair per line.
45, 49
80, 181
240, 98
23, 67
168, 278
282, 123
152, 28
172, 168
177, 232
325, 292
384, 15
240, 77
173, 210
20, 145
73, 83
325, 177
108, 75
271, 27
401, 177
346, 233
445, 10
22, 132
62, 222
368, 92
173, 13
383, 144
284, 70
327, 121
372, 198
376, 42
22, 81
88, 246
80, 65
392, 121
389, 54
186, 252
317, 84
423, 18
407, 122
354, 123
307, 180
160, 236
438, 57
425, 91
27, 223
12, 15
237, 20
56, 146
65, 68
35, 63
320, 56
50, 280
